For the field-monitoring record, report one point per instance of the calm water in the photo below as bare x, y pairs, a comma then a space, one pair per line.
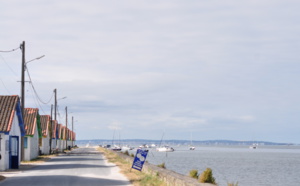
265, 166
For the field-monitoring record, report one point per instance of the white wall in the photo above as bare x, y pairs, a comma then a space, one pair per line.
45, 145
5, 152
58, 146
15, 131
32, 150
69, 143
62, 145
53, 145
2, 152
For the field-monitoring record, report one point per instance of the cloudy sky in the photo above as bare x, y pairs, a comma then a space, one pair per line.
213, 69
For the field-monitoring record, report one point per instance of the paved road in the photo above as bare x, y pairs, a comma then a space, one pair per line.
83, 166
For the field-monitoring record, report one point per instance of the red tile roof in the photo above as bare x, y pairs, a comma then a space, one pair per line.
7, 111
63, 132
59, 129
54, 128
30, 120
45, 124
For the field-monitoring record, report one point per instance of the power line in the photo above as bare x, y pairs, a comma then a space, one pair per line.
8, 65
37, 103
31, 83
60, 118
5, 87
12, 50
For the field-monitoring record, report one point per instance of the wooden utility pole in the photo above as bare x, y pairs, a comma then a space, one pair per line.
55, 103
55, 108
72, 132
22, 47
51, 131
66, 132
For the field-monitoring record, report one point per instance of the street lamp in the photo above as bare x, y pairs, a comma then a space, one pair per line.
35, 59
23, 79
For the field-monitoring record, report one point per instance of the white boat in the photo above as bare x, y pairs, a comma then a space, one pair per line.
192, 148
152, 146
116, 148
165, 149
124, 148
253, 146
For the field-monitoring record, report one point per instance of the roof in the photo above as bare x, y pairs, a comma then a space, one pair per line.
54, 128
31, 120
9, 105
45, 124
59, 127
63, 132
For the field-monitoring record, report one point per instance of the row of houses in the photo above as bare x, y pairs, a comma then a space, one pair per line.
40, 134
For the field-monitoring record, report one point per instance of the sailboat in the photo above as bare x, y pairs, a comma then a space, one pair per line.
164, 148
115, 147
191, 146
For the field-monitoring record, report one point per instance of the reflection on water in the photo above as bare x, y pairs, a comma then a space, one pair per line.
267, 165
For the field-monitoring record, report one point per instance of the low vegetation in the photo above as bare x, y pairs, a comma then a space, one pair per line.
126, 153
233, 184
163, 165
136, 177
194, 174
2, 177
207, 177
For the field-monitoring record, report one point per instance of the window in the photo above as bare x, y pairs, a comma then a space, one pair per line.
25, 142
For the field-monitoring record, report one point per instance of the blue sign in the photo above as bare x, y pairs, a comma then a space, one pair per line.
139, 159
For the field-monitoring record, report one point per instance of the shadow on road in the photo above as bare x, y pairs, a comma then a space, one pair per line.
61, 181
69, 166
65, 158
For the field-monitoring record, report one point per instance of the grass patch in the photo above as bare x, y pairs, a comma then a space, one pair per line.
162, 165
136, 177
207, 176
233, 184
194, 174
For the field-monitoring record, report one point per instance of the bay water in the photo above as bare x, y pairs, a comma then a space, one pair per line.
264, 166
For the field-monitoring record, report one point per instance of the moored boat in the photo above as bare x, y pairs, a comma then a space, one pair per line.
165, 149
192, 148
253, 146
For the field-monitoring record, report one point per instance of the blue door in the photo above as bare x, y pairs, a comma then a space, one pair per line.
14, 152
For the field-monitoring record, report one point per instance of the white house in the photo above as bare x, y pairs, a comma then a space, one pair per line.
33, 133
46, 132
54, 136
59, 141
11, 130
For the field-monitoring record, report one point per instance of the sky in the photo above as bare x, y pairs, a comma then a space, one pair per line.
143, 69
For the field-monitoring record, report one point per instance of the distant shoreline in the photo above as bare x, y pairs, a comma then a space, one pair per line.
177, 142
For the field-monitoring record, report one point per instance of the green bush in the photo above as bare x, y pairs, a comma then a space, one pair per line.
194, 173
126, 153
207, 177
162, 165
132, 155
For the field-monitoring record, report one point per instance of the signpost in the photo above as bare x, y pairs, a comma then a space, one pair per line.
139, 159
